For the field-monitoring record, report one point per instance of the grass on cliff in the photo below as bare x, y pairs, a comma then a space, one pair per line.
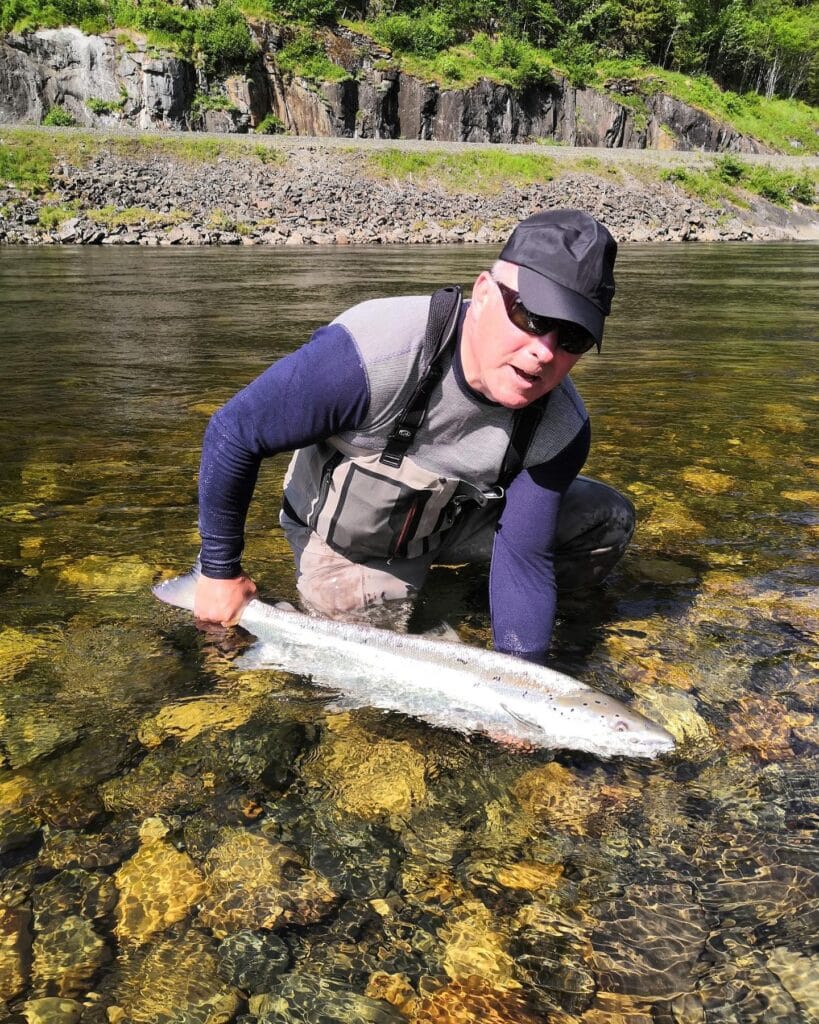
482, 171
787, 125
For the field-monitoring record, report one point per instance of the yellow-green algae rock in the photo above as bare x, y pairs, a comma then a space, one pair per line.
253, 882
187, 720
783, 417
764, 726
475, 948
17, 650
564, 797
473, 1001
157, 784
157, 887
20, 512
799, 975
529, 876
707, 481
394, 989
677, 713
27, 736
52, 1010
67, 956
176, 981
103, 574
368, 776
15, 951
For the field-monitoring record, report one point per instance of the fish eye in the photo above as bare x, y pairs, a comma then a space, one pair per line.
621, 726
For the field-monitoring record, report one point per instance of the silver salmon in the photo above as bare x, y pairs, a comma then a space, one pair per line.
444, 683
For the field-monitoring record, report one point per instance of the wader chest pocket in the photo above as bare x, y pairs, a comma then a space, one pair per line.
367, 514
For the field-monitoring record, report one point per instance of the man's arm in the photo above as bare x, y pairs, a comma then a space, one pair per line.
313, 393
522, 588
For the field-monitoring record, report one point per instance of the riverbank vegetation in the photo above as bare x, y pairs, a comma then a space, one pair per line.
29, 158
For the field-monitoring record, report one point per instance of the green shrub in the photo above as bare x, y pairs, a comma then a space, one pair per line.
223, 39
730, 170
270, 125
305, 56
425, 33
59, 117
780, 187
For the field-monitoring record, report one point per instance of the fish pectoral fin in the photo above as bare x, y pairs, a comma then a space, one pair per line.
519, 718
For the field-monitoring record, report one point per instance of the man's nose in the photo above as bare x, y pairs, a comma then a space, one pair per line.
544, 346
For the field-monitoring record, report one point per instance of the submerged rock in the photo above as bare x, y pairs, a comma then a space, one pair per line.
102, 574
67, 956
52, 1010
707, 481
301, 998
799, 975
473, 1000
15, 951
187, 720
82, 893
157, 784
647, 942
158, 886
18, 829
474, 947
71, 849
254, 883
253, 961
176, 981
368, 776
17, 650
764, 727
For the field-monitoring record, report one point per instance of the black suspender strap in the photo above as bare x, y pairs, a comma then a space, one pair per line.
525, 424
444, 310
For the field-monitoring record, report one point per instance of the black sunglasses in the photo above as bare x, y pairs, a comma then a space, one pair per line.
570, 336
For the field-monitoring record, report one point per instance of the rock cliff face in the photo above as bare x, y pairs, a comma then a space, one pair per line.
108, 80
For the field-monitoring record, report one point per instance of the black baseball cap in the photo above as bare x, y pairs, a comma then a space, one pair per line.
566, 261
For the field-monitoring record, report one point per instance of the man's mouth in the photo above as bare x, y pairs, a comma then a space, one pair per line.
530, 378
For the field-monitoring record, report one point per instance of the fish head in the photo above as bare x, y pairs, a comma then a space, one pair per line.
584, 719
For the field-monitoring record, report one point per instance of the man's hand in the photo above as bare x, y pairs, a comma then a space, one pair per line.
222, 601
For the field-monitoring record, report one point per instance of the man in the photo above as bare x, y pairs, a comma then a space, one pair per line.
407, 454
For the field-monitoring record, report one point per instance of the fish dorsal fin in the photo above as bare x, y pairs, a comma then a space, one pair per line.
519, 718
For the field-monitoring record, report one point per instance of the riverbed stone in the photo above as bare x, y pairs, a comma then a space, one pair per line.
188, 719
177, 980
101, 574
252, 882
300, 998
157, 887
52, 1010
369, 776
765, 727
473, 999
253, 961
15, 951
67, 957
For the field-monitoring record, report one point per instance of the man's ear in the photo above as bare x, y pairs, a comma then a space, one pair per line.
481, 290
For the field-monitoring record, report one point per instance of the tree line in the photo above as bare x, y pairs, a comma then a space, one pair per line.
768, 47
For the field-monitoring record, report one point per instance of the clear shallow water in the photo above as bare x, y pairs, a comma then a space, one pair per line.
493, 882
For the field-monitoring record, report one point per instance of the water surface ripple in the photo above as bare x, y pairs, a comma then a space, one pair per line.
184, 841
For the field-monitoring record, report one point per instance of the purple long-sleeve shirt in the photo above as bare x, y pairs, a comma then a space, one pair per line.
321, 390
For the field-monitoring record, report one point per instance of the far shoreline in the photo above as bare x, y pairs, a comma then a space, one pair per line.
124, 187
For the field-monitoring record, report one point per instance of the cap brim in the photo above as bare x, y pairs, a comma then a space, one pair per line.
545, 297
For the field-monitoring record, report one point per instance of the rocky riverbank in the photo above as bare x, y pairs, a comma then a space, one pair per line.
141, 192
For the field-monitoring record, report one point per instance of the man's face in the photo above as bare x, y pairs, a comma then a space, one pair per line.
502, 362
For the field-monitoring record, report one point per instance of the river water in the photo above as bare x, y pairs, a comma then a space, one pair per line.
184, 841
